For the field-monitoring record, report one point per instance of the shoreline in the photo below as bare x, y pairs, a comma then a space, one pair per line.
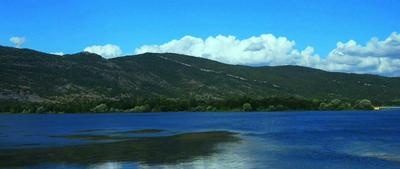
236, 112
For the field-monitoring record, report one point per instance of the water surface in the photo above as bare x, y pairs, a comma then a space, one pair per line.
278, 140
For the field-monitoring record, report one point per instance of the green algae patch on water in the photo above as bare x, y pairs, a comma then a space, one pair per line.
90, 137
147, 150
108, 136
141, 131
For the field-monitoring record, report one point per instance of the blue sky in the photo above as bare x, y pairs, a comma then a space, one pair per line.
70, 26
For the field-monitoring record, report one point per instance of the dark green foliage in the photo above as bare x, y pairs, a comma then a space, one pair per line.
335, 104
161, 104
247, 107
364, 104
394, 102
100, 108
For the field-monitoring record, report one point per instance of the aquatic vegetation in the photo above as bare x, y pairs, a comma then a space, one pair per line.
108, 136
141, 131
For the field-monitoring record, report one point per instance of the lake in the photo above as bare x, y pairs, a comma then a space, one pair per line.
276, 140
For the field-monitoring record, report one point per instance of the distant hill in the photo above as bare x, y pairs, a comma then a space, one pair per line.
28, 75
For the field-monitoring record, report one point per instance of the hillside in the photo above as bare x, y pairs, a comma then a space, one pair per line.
28, 75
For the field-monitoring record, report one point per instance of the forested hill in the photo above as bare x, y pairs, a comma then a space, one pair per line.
32, 76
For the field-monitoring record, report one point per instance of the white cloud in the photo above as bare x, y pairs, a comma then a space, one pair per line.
376, 57
107, 51
57, 53
265, 49
17, 41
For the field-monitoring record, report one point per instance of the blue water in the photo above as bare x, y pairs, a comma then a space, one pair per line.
278, 140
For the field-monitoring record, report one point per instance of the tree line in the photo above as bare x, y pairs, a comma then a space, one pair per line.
160, 104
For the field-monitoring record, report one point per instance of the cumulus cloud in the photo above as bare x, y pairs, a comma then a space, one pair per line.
107, 51
17, 41
376, 57
265, 49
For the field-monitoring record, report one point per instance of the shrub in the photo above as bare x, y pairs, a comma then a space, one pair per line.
100, 108
247, 107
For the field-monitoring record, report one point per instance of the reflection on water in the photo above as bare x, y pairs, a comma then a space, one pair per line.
228, 157
373, 149
106, 165
149, 151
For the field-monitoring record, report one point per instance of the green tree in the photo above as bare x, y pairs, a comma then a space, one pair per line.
364, 104
141, 108
247, 107
100, 108
41, 109
211, 108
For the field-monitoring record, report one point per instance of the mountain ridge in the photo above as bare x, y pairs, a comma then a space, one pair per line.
29, 75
